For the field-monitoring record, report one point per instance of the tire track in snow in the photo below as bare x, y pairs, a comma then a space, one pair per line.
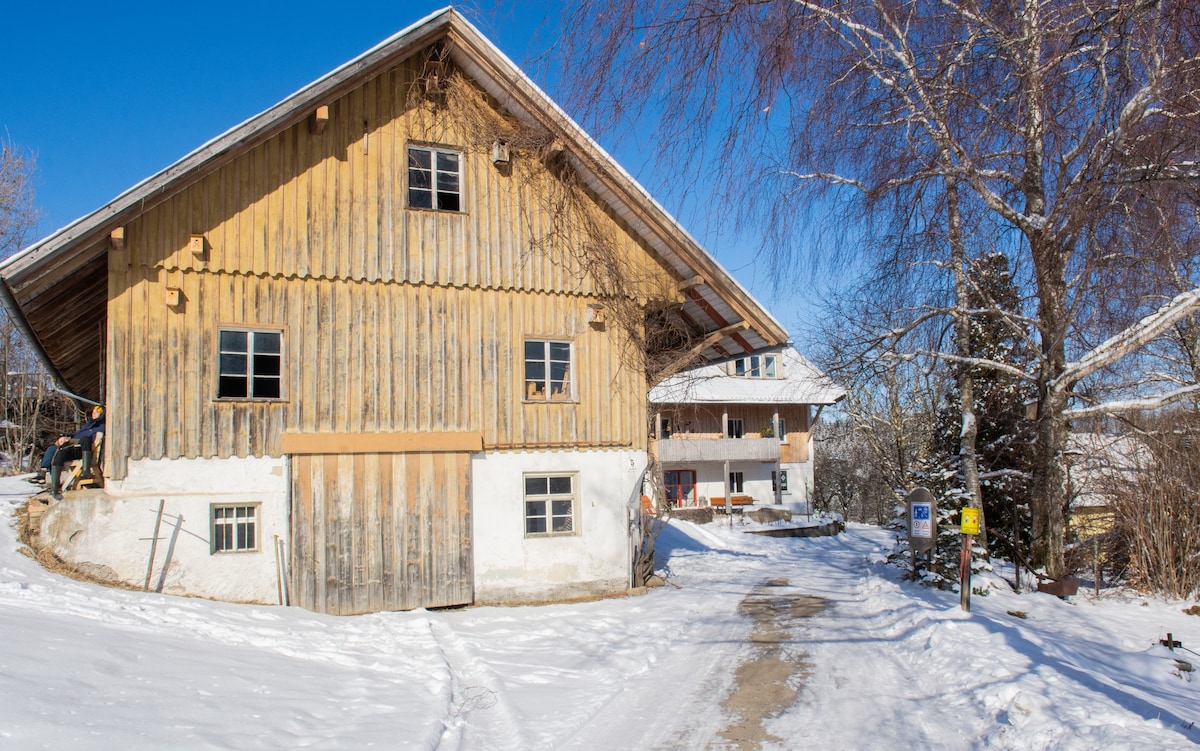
478, 714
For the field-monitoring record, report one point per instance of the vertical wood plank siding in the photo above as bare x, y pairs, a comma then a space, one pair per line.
411, 553
393, 319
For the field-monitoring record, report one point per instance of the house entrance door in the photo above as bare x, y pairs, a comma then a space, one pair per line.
381, 531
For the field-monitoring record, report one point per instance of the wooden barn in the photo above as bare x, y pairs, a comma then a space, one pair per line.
385, 345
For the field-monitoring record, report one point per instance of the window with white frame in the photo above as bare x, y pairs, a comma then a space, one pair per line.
234, 528
782, 427
250, 364
550, 504
735, 428
737, 482
547, 370
434, 179
756, 366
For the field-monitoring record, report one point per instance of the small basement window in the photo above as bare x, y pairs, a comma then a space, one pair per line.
434, 179
234, 528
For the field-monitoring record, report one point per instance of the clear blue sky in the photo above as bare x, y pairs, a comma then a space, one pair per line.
107, 94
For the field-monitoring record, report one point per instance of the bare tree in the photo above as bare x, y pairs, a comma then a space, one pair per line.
1075, 126
32, 411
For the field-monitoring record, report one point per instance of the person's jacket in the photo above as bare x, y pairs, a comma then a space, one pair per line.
90, 428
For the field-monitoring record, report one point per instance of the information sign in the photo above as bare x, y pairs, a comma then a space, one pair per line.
969, 524
922, 520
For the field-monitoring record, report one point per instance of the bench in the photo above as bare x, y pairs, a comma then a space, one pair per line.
736, 501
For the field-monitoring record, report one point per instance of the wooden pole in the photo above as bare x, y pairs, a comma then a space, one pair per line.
154, 545
964, 574
278, 570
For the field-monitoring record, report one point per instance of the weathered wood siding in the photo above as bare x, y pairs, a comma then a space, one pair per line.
373, 532
393, 319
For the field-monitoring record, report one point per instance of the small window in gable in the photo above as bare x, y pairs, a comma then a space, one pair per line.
756, 366
434, 179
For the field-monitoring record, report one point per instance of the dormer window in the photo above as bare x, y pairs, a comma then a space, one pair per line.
756, 366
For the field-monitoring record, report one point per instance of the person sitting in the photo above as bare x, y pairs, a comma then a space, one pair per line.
71, 447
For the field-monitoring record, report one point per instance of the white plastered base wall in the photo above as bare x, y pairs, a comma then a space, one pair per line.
109, 534
594, 561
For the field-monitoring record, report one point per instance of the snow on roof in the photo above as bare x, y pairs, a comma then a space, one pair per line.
802, 383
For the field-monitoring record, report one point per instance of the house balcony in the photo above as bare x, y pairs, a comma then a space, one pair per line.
680, 449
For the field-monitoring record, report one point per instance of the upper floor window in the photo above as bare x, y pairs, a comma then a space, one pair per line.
434, 179
756, 366
735, 428
250, 364
547, 370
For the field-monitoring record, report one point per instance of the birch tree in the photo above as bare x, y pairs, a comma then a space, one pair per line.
1073, 125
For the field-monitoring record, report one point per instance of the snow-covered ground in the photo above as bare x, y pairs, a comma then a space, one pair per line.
891, 664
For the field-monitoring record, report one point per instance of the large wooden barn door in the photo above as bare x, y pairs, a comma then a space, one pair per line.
380, 531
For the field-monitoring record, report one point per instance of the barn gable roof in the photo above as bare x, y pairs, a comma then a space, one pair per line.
57, 288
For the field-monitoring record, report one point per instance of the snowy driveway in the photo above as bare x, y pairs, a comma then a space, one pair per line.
86, 667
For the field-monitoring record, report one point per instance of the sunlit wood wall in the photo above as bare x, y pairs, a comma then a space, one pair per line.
393, 319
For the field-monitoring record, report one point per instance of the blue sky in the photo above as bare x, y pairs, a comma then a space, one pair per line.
108, 94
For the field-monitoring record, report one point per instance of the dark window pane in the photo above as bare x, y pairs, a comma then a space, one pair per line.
560, 351
221, 537
561, 508
535, 508
420, 199
447, 162
448, 201
233, 364
447, 182
266, 365
535, 486
535, 371
266, 343
562, 524
535, 350
420, 179
266, 388
232, 387
559, 485
558, 371
233, 341
419, 158
535, 525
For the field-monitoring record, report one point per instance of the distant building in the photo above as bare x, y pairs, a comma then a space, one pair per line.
742, 427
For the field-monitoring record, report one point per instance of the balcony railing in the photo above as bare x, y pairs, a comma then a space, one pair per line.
718, 450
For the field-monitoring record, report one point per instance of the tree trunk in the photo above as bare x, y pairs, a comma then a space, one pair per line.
1049, 492
968, 458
